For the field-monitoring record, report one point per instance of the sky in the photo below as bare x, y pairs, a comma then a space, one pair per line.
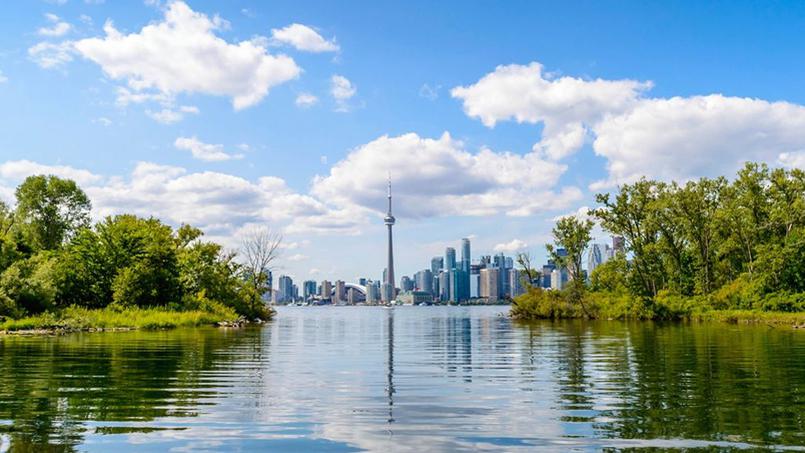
493, 118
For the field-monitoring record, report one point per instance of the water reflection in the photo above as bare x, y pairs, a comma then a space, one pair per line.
441, 378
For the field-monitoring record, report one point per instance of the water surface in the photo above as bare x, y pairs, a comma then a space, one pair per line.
406, 379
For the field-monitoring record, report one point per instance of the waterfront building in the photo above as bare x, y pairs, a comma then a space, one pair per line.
454, 285
464, 275
559, 278
406, 284
415, 297
326, 290
516, 283
352, 296
308, 289
372, 294
340, 293
423, 281
436, 265
284, 290
389, 293
595, 257
449, 258
444, 286
489, 279
475, 280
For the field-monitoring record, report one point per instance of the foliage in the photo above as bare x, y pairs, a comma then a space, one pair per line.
51, 259
572, 235
51, 210
710, 244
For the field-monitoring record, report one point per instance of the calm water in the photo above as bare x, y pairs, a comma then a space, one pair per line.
407, 379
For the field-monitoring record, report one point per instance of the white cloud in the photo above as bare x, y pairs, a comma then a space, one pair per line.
681, 138
515, 245
793, 160
667, 138
3, 78
165, 116
342, 90
219, 203
305, 100
297, 257
438, 177
204, 151
302, 37
49, 55
57, 28
563, 105
103, 121
17, 170
182, 54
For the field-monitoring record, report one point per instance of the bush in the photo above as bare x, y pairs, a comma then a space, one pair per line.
29, 284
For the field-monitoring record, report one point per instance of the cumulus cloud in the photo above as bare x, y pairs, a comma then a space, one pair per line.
438, 177
57, 27
666, 138
302, 37
305, 100
182, 54
219, 203
515, 245
51, 55
680, 138
204, 151
527, 95
18, 170
342, 90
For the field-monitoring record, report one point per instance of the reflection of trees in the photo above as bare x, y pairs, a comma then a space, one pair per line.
707, 382
50, 386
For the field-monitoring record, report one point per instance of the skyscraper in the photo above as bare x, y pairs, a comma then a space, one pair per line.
389, 293
436, 265
464, 275
595, 257
449, 258
308, 289
489, 288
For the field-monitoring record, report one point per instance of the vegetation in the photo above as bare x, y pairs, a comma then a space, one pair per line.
706, 249
56, 269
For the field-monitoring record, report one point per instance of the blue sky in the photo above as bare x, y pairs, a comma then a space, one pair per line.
493, 118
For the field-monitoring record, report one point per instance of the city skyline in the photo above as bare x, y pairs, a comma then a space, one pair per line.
489, 136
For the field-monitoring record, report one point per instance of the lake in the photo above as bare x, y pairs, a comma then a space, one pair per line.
406, 379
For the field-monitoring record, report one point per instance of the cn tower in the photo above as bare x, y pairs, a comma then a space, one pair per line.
389, 220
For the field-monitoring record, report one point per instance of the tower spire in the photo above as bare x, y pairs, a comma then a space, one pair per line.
390, 292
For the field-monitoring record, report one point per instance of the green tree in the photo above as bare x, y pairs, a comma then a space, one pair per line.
572, 235
51, 210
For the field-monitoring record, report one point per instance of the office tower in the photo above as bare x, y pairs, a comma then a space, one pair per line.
559, 278
351, 296
340, 293
516, 283
308, 289
285, 289
406, 284
464, 292
444, 286
449, 258
270, 282
326, 290
362, 281
389, 294
424, 281
436, 265
372, 294
489, 278
454, 285
595, 257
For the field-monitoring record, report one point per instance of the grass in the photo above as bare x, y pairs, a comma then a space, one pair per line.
751, 317
76, 319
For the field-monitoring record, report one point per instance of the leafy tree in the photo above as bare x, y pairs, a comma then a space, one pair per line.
572, 235
29, 283
51, 210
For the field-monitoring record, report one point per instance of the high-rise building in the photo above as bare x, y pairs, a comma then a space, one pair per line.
372, 294
475, 281
390, 293
595, 257
489, 289
454, 285
444, 286
464, 276
515, 283
340, 293
436, 265
285, 289
326, 290
352, 296
406, 284
618, 244
308, 289
449, 258
559, 278
424, 281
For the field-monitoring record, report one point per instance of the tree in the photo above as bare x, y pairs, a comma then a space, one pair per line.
572, 235
51, 210
260, 249
527, 270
